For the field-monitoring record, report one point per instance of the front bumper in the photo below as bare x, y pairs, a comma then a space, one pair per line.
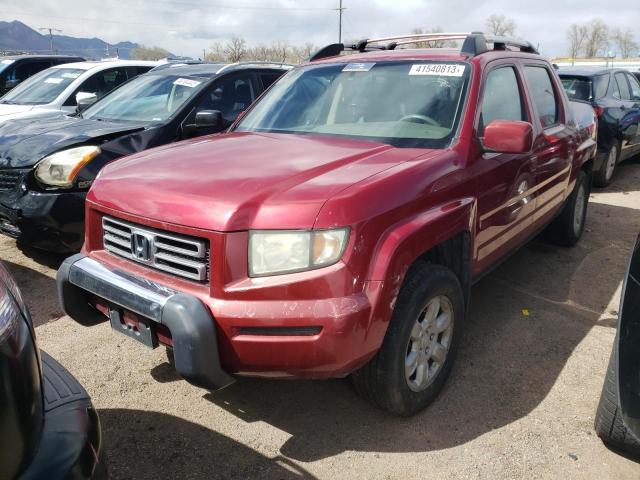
71, 441
213, 338
49, 221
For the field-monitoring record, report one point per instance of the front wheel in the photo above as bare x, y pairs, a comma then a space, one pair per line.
420, 345
568, 227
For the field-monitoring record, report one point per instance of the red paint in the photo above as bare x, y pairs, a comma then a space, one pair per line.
508, 136
398, 204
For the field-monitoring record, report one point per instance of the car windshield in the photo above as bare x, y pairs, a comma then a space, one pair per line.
43, 87
147, 99
585, 88
405, 104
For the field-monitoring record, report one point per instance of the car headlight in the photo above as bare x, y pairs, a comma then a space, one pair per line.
273, 252
60, 169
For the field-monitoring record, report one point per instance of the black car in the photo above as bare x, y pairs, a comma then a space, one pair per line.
618, 415
16, 68
615, 97
48, 426
46, 167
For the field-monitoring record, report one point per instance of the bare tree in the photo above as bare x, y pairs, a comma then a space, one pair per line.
432, 43
149, 53
627, 46
216, 53
500, 25
597, 38
235, 49
576, 36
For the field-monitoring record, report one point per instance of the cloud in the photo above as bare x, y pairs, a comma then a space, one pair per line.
188, 26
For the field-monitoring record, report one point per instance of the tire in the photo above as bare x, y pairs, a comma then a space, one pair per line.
418, 330
609, 425
171, 360
602, 177
566, 230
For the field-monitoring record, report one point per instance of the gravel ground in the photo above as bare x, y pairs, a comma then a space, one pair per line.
520, 402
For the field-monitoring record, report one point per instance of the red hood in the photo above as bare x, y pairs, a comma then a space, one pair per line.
240, 181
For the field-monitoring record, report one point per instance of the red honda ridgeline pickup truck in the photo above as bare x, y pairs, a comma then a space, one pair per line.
337, 227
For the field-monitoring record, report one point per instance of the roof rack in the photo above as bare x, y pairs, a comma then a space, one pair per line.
474, 43
257, 63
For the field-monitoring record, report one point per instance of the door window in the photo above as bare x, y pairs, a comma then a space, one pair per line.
100, 84
269, 78
623, 86
635, 87
230, 96
543, 95
502, 99
26, 69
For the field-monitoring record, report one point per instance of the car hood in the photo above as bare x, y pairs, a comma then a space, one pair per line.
23, 142
8, 109
241, 181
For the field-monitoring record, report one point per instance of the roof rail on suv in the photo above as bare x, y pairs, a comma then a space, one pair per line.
474, 43
253, 64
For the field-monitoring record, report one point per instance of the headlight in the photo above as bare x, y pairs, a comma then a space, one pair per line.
277, 252
60, 169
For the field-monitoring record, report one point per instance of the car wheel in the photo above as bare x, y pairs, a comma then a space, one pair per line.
171, 359
420, 345
568, 227
609, 425
602, 177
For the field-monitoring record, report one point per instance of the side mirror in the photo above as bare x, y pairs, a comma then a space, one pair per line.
208, 119
84, 100
508, 136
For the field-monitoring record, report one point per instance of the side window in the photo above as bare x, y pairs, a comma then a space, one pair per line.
543, 95
502, 99
269, 78
103, 82
26, 69
230, 96
133, 72
635, 87
623, 86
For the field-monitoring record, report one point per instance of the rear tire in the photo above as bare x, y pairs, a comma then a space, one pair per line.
609, 425
602, 177
419, 348
568, 227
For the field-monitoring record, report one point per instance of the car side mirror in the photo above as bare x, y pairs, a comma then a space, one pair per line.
84, 100
208, 119
508, 136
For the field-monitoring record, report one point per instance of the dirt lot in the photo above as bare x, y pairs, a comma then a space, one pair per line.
520, 402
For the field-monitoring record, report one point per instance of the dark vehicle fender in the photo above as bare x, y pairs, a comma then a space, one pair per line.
628, 350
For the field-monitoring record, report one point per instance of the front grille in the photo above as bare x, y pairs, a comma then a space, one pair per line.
9, 179
179, 255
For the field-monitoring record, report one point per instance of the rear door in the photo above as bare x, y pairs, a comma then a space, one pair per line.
505, 181
627, 115
553, 144
633, 115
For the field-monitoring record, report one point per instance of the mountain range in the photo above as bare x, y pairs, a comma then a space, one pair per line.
16, 37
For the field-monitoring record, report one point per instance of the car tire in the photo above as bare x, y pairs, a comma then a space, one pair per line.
171, 359
566, 230
608, 424
603, 176
424, 331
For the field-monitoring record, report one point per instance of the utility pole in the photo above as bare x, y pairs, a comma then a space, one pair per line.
340, 10
50, 30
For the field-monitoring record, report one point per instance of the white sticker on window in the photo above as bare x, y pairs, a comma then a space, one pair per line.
358, 67
7, 62
438, 69
186, 82
55, 81
70, 75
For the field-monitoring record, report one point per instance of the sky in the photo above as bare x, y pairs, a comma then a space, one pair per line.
186, 27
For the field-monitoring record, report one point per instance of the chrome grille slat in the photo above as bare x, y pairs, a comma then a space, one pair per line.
182, 256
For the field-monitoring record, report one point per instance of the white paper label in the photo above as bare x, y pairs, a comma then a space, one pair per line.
186, 82
438, 69
55, 81
358, 67
70, 75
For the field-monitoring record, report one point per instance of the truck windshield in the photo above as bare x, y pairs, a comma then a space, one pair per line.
405, 104
43, 87
585, 88
147, 99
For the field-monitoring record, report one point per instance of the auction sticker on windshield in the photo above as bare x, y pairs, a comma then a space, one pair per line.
358, 67
439, 69
53, 80
186, 82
